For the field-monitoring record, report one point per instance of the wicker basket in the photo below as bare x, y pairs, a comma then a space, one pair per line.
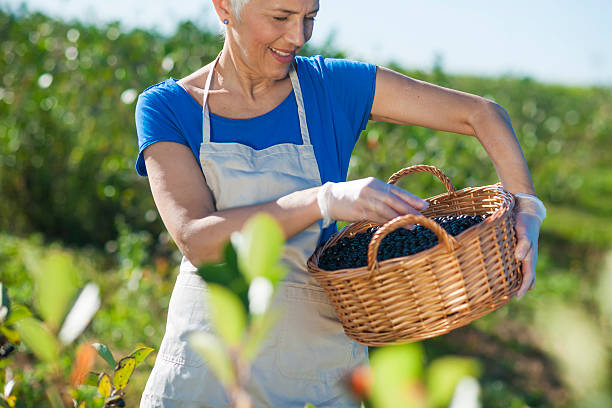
430, 293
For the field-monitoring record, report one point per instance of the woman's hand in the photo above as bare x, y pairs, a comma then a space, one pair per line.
529, 216
367, 199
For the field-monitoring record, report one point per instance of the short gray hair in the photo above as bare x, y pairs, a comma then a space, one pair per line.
237, 6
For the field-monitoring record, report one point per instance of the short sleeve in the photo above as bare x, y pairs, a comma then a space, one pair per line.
155, 122
352, 85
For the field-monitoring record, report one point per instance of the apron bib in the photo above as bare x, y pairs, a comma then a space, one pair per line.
307, 353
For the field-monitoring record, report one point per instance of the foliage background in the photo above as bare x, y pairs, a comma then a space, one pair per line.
67, 183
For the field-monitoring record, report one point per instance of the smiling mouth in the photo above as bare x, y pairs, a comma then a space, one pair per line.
280, 53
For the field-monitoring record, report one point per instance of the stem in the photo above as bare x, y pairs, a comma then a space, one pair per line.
57, 393
241, 399
54, 397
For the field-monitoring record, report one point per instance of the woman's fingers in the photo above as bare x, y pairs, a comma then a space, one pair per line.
526, 232
527, 228
379, 211
528, 268
380, 204
522, 247
399, 200
411, 199
534, 262
399, 205
524, 254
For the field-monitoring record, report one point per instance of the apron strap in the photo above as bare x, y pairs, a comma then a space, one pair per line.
297, 90
205, 111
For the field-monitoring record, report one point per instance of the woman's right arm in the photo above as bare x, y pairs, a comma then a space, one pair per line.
185, 204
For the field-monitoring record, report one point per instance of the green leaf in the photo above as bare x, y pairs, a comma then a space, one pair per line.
398, 374
444, 374
104, 385
260, 247
105, 353
230, 258
92, 379
88, 391
11, 335
227, 314
309, 405
56, 279
123, 372
210, 348
227, 274
38, 339
258, 331
18, 312
140, 354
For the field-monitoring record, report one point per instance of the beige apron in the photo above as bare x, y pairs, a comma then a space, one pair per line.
307, 354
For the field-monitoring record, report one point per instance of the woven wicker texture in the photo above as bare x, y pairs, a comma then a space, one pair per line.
430, 293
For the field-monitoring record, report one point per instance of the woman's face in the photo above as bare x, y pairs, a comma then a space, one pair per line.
270, 33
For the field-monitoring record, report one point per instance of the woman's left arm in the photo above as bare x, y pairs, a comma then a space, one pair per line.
404, 100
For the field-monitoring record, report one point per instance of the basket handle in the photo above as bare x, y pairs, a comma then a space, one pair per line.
421, 168
443, 237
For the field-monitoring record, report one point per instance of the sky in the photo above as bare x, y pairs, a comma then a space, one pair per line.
554, 41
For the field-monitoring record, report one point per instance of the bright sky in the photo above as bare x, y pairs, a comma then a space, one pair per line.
558, 41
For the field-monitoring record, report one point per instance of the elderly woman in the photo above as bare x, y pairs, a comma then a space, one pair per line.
261, 129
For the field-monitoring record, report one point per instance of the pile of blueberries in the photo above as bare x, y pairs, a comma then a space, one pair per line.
353, 252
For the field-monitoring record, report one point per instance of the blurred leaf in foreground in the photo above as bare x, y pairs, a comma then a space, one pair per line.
443, 375
227, 274
398, 373
38, 339
215, 354
56, 279
227, 314
259, 246
18, 312
258, 331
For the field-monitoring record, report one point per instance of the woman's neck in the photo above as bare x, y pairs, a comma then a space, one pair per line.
234, 75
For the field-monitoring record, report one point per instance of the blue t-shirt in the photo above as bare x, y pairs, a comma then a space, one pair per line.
338, 96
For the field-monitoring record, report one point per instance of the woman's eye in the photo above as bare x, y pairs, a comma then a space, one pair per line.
280, 18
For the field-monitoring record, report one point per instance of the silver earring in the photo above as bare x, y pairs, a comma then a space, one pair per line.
226, 21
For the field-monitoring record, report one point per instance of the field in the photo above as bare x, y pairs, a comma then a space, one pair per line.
68, 190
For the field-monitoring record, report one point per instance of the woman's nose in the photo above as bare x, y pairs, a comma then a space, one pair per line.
296, 33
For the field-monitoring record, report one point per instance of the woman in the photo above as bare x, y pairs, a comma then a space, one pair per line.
260, 129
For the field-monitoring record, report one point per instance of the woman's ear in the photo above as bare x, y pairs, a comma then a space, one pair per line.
223, 9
